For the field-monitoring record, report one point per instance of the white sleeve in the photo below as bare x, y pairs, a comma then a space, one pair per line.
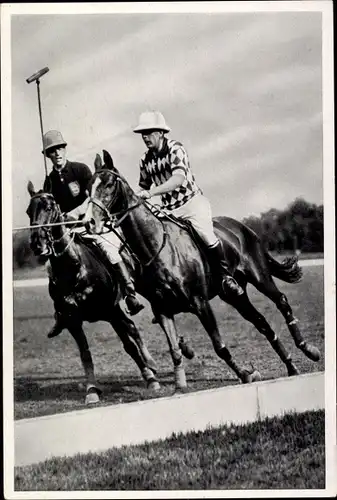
80, 210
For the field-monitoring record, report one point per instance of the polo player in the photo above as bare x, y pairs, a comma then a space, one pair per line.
68, 182
165, 170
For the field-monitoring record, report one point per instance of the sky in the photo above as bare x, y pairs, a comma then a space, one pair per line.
241, 91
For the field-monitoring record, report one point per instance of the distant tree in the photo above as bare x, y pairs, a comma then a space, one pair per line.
22, 253
299, 227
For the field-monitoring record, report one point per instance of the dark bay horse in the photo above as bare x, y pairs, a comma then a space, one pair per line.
175, 277
83, 288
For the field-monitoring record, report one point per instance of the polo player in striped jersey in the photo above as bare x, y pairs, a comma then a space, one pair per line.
165, 170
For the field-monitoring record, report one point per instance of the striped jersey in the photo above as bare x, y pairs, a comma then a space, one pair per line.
157, 167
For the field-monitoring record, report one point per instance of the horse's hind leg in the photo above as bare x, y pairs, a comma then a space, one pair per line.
134, 345
268, 288
207, 318
248, 311
93, 392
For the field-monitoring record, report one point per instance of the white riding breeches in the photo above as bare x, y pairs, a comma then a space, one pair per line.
198, 211
108, 242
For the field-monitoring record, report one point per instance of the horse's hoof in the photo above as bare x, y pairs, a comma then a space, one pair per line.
292, 370
249, 377
153, 385
54, 333
256, 376
311, 352
186, 350
180, 390
91, 398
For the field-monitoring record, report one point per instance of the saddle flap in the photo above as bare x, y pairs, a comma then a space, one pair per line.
187, 226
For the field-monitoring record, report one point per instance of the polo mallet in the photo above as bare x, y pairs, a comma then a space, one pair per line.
36, 78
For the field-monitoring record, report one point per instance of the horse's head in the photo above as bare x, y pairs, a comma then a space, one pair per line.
42, 210
108, 193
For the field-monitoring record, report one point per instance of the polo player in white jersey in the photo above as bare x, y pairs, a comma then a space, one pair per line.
165, 170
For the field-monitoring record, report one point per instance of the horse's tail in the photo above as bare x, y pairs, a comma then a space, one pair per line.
288, 270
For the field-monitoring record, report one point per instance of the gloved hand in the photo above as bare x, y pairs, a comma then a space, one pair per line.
144, 194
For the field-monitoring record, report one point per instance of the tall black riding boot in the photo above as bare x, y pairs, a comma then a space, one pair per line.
218, 262
127, 288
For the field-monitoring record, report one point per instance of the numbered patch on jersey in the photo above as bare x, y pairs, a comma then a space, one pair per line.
74, 188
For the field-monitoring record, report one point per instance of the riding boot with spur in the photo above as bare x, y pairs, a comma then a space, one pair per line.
217, 260
127, 288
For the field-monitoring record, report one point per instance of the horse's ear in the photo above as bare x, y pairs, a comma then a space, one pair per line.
30, 187
98, 162
108, 161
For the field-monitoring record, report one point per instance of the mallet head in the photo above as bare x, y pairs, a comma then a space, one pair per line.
37, 75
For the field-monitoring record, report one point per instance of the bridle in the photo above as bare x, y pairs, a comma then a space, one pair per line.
51, 241
107, 209
117, 218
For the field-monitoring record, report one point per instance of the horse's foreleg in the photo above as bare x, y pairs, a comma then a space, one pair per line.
134, 346
207, 318
168, 325
248, 311
280, 300
80, 338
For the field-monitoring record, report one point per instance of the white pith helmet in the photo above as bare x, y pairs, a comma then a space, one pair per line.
151, 120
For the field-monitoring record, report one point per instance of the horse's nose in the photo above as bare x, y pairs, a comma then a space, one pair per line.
35, 244
90, 225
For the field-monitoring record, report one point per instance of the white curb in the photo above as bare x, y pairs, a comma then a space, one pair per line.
101, 428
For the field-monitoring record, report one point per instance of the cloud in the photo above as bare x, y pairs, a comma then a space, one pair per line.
242, 91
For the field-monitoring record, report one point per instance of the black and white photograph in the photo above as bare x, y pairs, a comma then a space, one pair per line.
168, 250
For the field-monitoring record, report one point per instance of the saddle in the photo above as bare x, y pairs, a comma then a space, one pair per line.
187, 226
228, 247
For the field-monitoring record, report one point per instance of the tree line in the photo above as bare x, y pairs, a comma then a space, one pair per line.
299, 227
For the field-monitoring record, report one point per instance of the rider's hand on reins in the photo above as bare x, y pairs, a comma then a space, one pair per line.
144, 194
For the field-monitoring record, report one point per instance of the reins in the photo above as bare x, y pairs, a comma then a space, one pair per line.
51, 224
124, 213
67, 246
50, 238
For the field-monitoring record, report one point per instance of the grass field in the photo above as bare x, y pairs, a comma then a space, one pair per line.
287, 453
40, 272
48, 372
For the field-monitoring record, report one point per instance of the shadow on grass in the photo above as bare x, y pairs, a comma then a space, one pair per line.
53, 388
35, 316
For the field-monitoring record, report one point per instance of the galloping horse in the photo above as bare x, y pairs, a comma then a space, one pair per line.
176, 277
83, 288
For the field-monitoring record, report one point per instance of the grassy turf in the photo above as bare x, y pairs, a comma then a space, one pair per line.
40, 271
48, 372
272, 454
